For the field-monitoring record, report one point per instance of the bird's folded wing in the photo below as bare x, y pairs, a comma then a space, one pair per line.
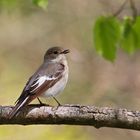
38, 85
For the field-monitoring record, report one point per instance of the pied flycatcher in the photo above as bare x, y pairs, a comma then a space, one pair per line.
49, 80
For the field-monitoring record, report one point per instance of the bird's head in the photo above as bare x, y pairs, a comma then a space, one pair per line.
54, 53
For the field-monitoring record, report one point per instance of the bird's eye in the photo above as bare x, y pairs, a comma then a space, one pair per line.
55, 52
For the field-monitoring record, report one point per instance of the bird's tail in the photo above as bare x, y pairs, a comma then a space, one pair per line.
18, 107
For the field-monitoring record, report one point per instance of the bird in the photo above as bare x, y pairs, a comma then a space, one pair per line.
49, 80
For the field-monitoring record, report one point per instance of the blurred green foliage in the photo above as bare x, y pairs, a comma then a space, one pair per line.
22, 6
41, 3
8, 3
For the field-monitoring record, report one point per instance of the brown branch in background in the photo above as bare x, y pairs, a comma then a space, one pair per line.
120, 9
134, 9
74, 115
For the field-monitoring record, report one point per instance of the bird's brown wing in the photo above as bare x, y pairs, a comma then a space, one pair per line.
37, 84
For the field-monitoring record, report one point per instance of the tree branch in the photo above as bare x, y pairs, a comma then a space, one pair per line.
120, 9
134, 9
73, 115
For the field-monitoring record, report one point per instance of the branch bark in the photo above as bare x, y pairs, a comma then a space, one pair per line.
73, 115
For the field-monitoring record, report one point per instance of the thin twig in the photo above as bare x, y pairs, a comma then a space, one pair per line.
134, 9
120, 9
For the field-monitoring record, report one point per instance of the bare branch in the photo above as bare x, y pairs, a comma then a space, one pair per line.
74, 115
134, 9
120, 9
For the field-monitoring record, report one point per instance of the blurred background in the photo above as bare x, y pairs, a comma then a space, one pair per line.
27, 31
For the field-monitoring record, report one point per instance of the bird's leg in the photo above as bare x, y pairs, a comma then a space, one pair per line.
39, 101
42, 104
56, 101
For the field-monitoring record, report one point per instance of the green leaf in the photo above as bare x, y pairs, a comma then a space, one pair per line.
106, 34
129, 38
136, 28
41, 3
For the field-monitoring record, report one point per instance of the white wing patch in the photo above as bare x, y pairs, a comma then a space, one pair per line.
41, 80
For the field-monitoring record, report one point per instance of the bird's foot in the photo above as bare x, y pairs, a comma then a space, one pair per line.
38, 105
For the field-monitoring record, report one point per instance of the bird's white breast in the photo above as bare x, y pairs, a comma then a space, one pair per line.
59, 86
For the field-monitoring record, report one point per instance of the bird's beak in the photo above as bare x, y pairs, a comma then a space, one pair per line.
65, 51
